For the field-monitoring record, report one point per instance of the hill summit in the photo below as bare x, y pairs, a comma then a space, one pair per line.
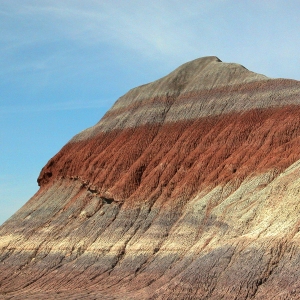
187, 188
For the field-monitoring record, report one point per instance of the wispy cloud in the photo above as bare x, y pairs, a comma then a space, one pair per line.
161, 31
60, 106
154, 29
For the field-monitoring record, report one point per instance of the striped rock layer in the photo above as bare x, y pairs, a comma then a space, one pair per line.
188, 188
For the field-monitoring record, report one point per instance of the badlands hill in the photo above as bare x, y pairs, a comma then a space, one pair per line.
188, 188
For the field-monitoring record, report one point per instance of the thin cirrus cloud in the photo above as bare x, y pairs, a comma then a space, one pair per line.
158, 31
59, 106
150, 29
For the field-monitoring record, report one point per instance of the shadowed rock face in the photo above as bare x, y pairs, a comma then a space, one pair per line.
188, 188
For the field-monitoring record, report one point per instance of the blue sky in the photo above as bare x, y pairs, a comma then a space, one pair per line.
64, 62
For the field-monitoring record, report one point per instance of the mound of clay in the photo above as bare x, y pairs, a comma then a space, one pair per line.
188, 188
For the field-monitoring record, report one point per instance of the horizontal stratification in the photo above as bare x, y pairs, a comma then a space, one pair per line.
200, 88
177, 159
227, 242
194, 104
188, 188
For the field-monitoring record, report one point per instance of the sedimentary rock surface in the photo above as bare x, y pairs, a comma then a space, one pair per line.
188, 188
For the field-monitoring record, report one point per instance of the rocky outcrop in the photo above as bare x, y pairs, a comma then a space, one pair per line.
187, 188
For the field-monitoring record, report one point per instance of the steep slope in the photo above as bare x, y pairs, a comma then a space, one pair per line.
188, 188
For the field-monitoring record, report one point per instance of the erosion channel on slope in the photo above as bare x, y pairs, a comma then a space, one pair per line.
187, 188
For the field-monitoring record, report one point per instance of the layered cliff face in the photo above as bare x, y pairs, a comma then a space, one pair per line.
188, 188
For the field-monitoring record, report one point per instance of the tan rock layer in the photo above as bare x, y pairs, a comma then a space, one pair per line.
200, 88
230, 241
197, 104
